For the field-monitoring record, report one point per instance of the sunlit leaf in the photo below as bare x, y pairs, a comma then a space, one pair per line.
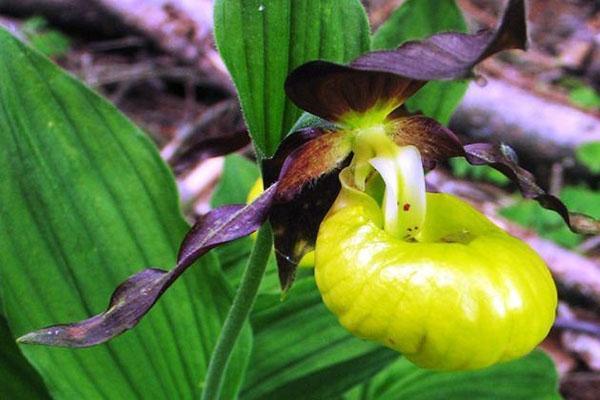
532, 377
261, 41
301, 351
88, 202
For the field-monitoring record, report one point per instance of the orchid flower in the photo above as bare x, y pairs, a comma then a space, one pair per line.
422, 273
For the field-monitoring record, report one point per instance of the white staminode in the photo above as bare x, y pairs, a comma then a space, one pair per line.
404, 198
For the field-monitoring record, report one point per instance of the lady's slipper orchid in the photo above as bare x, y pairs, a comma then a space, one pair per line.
422, 273
449, 289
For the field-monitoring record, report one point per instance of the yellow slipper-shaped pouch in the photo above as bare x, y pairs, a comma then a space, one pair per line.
462, 294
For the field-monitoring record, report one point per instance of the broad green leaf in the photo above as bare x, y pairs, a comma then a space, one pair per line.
18, 380
589, 155
86, 202
438, 99
301, 352
532, 377
418, 19
261, 41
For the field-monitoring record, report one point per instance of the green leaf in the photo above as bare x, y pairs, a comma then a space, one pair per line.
438, 100
589, 155
261, 41
18, 380
550, 225
48, 41
532, 377
418, 19
581, 199
301, 351
88, 201
586, 97
462, 169
546, 223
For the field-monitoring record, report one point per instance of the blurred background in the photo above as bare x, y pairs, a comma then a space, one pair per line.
156, 61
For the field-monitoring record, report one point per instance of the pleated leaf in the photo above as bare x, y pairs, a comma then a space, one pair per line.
418, 19
86, 202
532, 377
261, 41
301, 351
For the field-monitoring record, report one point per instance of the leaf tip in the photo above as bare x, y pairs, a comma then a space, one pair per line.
50, 336
28, 338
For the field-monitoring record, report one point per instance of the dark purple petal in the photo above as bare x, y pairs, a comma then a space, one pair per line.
502, 159
330, 90
434, 141
296, 223
310, 161
450, 55
224, 224
307, 164
272, 166
128, 304
378, 78
134, 297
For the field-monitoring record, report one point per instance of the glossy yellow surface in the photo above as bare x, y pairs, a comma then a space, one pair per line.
466, 295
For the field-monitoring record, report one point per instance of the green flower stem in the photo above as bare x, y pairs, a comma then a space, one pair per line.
238, 313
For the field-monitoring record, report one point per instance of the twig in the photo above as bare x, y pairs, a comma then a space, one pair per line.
542, 130
187, 130
82, 15
577, 325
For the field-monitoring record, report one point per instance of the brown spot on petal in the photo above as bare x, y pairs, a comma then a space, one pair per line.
406, 207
